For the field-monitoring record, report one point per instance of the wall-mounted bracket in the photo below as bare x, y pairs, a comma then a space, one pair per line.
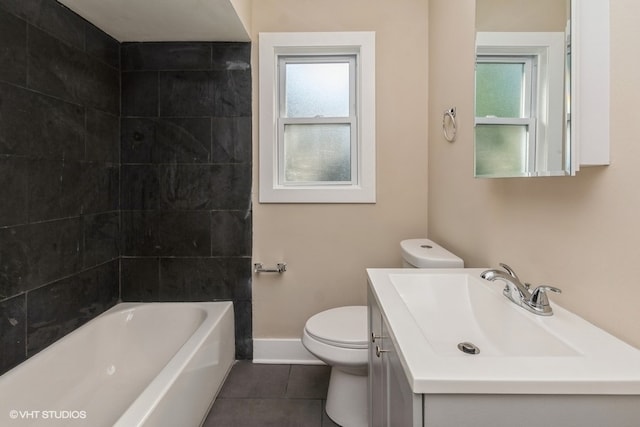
281, 267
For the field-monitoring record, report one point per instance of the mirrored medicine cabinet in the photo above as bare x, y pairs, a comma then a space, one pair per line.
541, 92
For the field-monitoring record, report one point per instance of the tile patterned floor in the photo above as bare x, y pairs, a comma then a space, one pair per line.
256, 395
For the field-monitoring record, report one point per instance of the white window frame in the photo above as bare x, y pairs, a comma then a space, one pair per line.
351, 119
549, 48
528, 108
273, 48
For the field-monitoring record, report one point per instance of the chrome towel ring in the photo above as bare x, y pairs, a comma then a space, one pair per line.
449, 127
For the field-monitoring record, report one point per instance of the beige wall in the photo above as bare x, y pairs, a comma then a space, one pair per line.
521, 15
581, 233
327, 247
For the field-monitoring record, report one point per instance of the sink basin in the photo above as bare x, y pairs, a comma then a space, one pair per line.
430, 311
453, 308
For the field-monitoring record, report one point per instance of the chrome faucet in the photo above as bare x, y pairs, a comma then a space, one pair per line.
536, 301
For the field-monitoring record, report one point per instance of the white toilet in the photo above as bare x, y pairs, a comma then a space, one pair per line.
339, 338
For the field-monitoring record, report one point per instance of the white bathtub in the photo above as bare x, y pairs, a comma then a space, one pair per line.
138, 364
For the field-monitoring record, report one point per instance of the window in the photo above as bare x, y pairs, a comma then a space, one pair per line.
317, 117
520, 117
505, 114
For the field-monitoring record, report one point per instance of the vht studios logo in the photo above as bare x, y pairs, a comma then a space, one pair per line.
15, 414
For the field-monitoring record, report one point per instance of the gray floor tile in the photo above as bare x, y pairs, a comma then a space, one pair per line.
326, 421
308, 382
265, 413
250, 380
272, 395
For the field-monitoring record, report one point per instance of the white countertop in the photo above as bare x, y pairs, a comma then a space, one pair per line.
598, 364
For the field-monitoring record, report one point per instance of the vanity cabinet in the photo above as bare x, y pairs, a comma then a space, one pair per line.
391, 401
414, 383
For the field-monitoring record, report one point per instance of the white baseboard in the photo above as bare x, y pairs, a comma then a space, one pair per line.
282, 351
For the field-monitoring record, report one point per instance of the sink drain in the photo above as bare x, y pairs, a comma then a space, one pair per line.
469, 348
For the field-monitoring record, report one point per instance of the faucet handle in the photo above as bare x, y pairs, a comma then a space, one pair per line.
539, 297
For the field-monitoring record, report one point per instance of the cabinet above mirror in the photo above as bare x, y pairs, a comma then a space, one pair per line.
542, 87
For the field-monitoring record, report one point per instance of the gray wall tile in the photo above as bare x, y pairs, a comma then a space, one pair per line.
60, 70
102, 46
38, 125
102, 143
139, 233
54, 250
139, 94
186, 94
231, 233
51, 17
231, 140
204, 279
101, 238
231, 56
166, 56
164, 140
63, 306
157, 210
243, 328
186, 175
140, 188
140, 279
185, 187
13, 49
36, 254
205, 93
232, 93
13, 322
59, 174
14, 174
184, 233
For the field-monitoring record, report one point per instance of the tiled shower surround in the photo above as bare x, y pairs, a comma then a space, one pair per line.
59, 175
186, 176
125, 174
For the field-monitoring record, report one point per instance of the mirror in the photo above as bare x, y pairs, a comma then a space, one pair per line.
522, 101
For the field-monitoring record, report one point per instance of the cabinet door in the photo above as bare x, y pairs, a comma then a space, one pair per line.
391, 401
377, 373
404, 408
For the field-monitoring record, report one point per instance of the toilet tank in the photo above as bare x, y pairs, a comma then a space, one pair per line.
424, 253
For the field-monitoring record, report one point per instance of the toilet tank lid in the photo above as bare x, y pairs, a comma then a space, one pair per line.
425, 253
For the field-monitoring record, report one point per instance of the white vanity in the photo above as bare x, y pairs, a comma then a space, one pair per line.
531, 370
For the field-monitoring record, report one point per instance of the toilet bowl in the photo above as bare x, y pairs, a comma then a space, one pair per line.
339, 337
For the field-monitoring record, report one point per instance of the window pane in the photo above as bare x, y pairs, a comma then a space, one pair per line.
501, 149
317, 153
317, 90
499, 89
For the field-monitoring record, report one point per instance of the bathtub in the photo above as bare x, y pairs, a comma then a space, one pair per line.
137, 364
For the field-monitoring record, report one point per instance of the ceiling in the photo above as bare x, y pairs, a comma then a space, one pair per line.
163, 20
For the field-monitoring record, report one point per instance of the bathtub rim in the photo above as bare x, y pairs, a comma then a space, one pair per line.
119, 307
145, 402
161, 383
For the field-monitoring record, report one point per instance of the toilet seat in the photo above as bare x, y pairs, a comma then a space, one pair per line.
344, 327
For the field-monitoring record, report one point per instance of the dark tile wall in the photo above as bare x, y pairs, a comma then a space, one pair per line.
175, 203
186, 176
59, 175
